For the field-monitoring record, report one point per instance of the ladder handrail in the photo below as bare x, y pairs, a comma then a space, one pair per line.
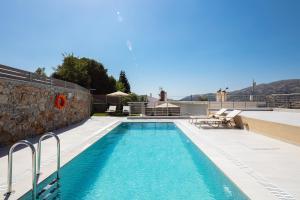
10, 158
39, 152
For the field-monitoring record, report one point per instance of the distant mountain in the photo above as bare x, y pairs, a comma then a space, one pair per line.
197, 97
277, 87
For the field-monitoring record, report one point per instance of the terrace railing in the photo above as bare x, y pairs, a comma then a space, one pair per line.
22, 75
188, 108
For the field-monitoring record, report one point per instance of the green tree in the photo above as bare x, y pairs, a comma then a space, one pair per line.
123, 79
40, 71
112, 84
132, 98
120, 86
86, 72
202, 98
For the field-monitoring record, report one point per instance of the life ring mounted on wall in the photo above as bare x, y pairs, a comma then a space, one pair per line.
60, 101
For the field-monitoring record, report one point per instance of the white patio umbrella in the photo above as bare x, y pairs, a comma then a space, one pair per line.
118, 94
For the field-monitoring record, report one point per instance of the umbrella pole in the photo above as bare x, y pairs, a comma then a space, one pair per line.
120, 100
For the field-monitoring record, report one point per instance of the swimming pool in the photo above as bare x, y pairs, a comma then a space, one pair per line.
142, 161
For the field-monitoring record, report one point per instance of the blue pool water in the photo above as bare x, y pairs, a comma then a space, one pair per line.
143, 161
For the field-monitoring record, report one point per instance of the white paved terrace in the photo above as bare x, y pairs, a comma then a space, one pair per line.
264, 167
290, 118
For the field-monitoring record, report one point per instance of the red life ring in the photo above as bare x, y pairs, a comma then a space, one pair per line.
60, 101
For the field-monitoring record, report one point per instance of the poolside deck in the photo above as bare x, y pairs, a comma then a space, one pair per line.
257, 163
263, 167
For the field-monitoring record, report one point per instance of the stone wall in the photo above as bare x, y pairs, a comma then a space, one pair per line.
28, 109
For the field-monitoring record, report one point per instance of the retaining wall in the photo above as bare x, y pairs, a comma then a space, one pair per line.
28, 109
285, 132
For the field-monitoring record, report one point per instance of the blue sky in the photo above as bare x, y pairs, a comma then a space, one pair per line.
186, 47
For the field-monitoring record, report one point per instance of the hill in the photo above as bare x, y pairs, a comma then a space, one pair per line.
277, 87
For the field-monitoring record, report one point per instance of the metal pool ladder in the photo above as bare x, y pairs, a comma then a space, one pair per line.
10, 158
47, 135
50, 186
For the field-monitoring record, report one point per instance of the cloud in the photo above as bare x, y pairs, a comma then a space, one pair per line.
120, 18
129, 45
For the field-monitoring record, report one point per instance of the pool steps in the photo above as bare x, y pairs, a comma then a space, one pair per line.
49, 190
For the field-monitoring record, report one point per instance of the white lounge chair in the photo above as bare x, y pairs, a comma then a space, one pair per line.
218, 114
126, 110
216, 122
111, 109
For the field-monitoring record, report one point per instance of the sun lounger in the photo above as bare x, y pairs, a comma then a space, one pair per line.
218, 114
216, 122
194, 119
126, 110
111, 109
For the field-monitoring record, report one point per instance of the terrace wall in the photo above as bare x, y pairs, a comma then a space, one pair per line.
28, 109
285, 132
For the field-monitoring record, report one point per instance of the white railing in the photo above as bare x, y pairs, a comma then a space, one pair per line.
21, 75
188, 108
